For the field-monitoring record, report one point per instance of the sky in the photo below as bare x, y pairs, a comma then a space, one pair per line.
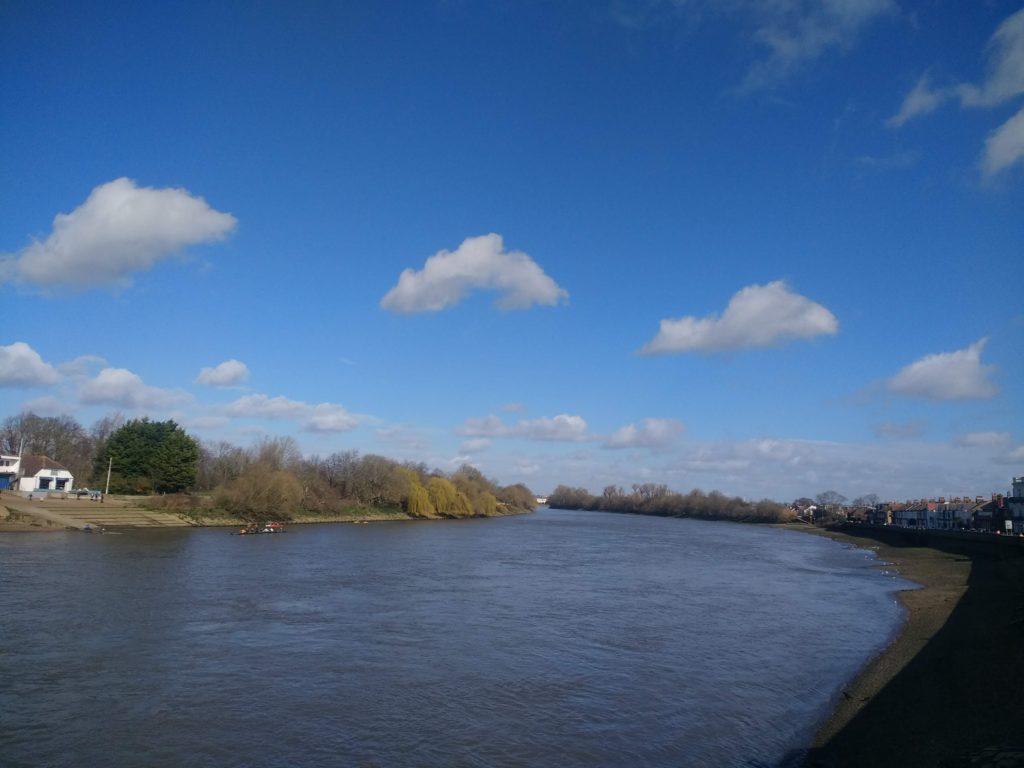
767, 248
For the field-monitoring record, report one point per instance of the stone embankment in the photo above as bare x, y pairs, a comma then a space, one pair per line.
57, 512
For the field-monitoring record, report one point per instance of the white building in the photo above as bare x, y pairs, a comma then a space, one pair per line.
41, 473
9, 467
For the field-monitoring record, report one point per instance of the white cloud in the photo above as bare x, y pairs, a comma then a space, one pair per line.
227, 374
329, 417
984, 440
1015, 457
1003, 82
1005, 147
561, 428
650, 433
325, 417
80, 366
476, 445
21, 366
797, 32
1005, 77
947, 376
513, 408
920, 101
789, 34
757, 316
121, 387
262, 406
120, 229
480, 263
488, 426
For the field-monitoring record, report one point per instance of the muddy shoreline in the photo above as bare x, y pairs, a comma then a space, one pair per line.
949, 690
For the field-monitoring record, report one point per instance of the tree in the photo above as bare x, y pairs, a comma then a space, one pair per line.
60, 437
447, 499
176, 463
149, 456
830, 499
867, 500
518, 497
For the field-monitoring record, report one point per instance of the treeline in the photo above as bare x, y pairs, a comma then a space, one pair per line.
271, 479
653, 499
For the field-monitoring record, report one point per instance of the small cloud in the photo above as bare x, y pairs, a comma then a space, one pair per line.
1005, 77
121, 387
513, 408
81, 366
262, 406
329, 417
1004, 147
325, 417
1003, 82
21, 366
899, 431
947, 376
561, 428
892, 162
480, 263
650, 433
120, 229
922, 100
757, 316
476, 445
796, 34
228, 373
1016, 456
984, 440
488, 426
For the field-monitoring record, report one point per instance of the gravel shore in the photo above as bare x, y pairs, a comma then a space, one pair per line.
949, 691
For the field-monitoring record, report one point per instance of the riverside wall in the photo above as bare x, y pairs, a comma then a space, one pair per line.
959, 542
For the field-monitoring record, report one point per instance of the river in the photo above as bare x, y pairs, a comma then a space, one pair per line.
552, 639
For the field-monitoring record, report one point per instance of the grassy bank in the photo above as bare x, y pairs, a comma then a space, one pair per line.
949, 691
200, 510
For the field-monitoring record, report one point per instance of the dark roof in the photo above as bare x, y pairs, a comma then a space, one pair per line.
31, 465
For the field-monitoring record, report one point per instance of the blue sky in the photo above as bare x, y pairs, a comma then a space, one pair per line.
766, 248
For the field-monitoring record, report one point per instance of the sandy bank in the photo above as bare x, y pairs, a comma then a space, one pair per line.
949, 691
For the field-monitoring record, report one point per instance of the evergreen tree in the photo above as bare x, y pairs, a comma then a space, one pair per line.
148, 456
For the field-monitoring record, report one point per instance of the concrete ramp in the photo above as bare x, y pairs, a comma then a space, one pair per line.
77, 513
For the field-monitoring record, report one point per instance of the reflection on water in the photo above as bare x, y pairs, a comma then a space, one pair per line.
558, 638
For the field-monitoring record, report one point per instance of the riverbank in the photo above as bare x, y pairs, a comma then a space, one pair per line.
949, 690
20, 515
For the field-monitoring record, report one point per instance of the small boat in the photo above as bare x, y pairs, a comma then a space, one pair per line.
257, 528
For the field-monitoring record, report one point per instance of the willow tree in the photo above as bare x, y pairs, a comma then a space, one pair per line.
447, 499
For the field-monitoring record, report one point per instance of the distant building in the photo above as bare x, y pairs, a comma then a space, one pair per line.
9, 467
990, 514
1015, 505
41, 473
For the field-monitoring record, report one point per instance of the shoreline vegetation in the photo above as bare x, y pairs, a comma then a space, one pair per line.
949, 690
163, 468
658, 500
